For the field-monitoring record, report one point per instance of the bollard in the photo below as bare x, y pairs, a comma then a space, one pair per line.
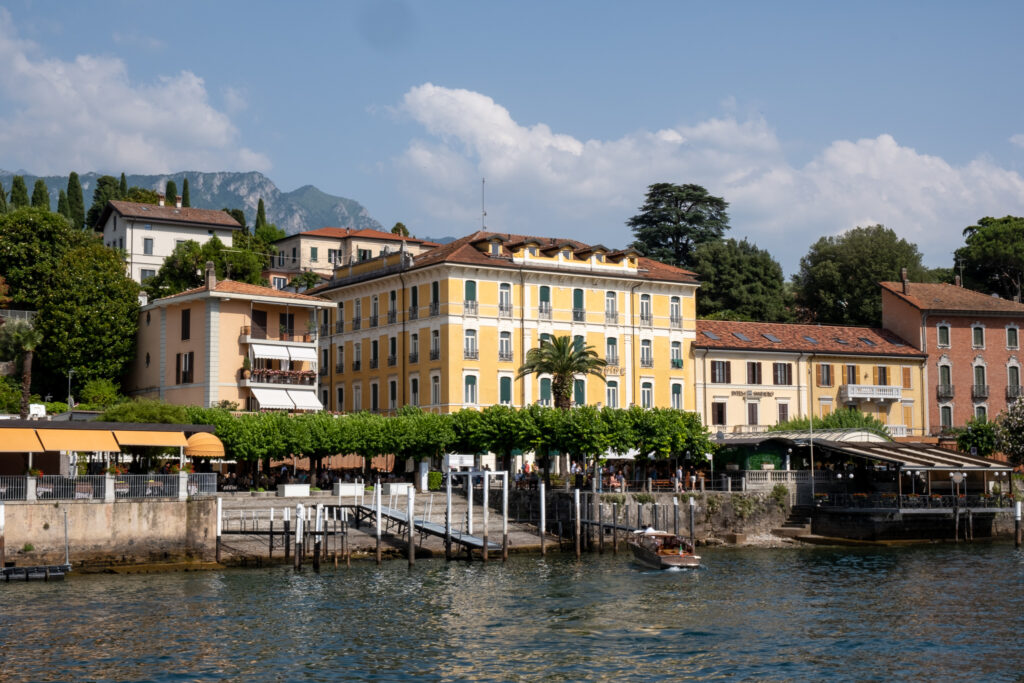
675, 516
270, 549
469, 503
600, 529
543, 517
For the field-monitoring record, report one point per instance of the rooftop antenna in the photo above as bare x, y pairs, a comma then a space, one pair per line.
483, 203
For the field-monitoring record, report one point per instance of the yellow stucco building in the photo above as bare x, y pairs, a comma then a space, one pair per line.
448, 329
750, 376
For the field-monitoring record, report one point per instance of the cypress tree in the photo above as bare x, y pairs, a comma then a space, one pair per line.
3, 200
62, 205
184, 194
40, 195
19, 193
122, 190
171, 191
76, 205
261, 216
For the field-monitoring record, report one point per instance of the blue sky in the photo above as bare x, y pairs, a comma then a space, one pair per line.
809, 118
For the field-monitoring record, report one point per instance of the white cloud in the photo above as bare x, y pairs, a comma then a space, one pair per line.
87, 114
134, 39
554, 184
1017, 139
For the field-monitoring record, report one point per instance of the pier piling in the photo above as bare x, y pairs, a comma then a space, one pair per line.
675, 516
448, 517
615, 528
287, 534
576, 514
318, 537
299, 523
410, 507
376, 507
1016, 524
504, 517
220, 525
543, 518
693, 508
487, 488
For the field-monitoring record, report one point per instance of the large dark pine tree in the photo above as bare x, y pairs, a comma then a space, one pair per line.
19, 193
40, 195
106, 189
675, 220
76, 204
186, 202
171, 190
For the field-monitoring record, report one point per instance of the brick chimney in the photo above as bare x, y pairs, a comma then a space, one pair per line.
211, 276
958, 281
903, 277
160, 199
177, 201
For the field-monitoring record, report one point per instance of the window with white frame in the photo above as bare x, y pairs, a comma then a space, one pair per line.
783, 413
978, 337
435, 390
505, 346
946, 416
943, 335
340, 405
612, 394
677, 396
752, 409
469, 384
357, 397
414, 391
647, 395
611, 351
677, 354
645, 309
611, 306
782, 373
981, 412
435, 343
721, 372
646, 353
1012, 337
469, 346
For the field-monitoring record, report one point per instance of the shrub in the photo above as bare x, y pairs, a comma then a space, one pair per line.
743, 506
780, 494
643, 498
614, 498
27, 548
434, 480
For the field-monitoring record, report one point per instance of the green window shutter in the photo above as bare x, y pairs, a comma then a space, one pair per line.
577, 342
506, 389
470, 290
545, 389
435, 291
545, 294
577, 298
579, 392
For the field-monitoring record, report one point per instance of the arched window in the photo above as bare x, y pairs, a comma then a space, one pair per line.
647, 395
613, 394
470, 390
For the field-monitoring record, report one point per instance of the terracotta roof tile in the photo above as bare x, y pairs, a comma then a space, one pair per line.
233, 287
929, 296
837, 339
171, 213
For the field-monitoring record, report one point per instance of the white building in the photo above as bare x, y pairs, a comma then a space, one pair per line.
148, 233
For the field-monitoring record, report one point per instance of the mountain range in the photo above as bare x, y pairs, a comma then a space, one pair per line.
306, 208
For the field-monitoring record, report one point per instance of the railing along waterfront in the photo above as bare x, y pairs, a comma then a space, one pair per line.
59, 487
12, 488
93, 486
202, 484
912, 501
146, 486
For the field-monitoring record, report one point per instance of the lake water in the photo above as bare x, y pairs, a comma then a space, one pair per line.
934, 612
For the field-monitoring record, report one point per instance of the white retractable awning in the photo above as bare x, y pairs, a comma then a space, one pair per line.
269, 351
305, 400
273, 399
302, 353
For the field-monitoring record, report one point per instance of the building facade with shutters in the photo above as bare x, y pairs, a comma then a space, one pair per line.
751, 376
449, 328
972, 342
193, 346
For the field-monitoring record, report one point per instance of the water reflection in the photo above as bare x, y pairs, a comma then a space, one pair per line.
940, 612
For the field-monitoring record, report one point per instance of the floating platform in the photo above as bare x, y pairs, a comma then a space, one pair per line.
50, 572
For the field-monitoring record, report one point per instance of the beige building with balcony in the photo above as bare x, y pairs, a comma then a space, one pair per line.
193, 347
751, 376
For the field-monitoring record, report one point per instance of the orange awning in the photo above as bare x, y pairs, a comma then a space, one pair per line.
143, 438
204, 445
77, 440
19, 441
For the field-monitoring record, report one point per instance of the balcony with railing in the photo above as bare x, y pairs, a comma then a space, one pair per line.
356, 365
373, 321
944, 391
471, 307
544, 310
611, 317
392, 361
414, 312
646, 361
677, 363
323, 371
293, 377
357, 323
468, 353
1013, 392
646, 319
505, 356
579, 315
979, 391
612, 360
897, 430
339, 327
339, 367
435, 308
325, 329
435, 354
392, 317
374, 362
504, 309
414, 357
869, 392
255, 333
676, 322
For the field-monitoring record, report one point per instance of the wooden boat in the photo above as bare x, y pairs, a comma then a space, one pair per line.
662, 550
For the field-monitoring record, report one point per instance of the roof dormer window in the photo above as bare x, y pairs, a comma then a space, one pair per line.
495, 248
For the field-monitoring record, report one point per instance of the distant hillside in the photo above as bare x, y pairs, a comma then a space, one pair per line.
306, 208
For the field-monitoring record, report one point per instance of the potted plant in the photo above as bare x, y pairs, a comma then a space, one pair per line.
35, 472
246, 368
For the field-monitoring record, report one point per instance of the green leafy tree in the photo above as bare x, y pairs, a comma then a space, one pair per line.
563, 359
978, 437
10, 395
76, 204
19, 193
838, 278
305, 280
424, 436
467, 426
186, 201
1010, 432
32, 244
675, 219
993, 257
582, 433
265, 236
122, 187
543, 426
261, 216
147, 411
400, 229
101, 392
504, 430
844, 418
40, 195
171, 192
239, 216
184, 267
62, 205
3, 200
107, 189
19, 341
741, 281
141, 195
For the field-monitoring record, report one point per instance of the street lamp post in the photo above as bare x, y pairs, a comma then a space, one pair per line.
71, 401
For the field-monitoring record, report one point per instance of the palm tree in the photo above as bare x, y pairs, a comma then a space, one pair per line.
563, 359
18, 340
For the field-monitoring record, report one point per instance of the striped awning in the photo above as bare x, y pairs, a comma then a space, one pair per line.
302, 353
141, 438
77, 440
272, 399
305, 400
204, 445
270, 351
20, 441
